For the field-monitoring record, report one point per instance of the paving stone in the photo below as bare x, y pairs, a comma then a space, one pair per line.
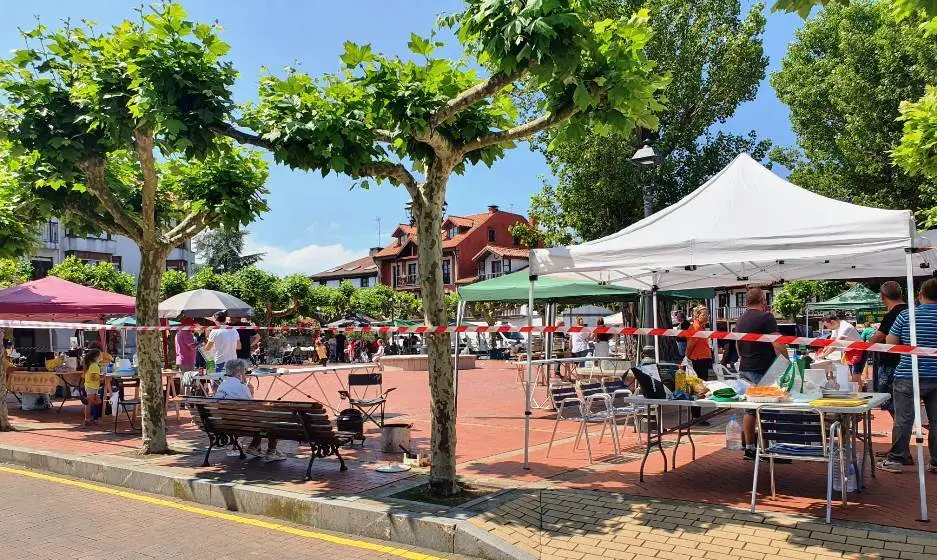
904, 547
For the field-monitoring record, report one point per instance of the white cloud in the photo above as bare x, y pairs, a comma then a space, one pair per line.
309, 259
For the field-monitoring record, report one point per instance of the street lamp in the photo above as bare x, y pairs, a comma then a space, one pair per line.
408, 208
644, 158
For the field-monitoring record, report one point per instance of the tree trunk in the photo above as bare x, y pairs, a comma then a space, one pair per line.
5, 425
152, 263
442, 477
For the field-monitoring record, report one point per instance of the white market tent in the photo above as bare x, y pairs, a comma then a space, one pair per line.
747, 225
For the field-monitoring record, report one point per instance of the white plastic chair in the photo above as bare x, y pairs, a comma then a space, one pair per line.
723, 373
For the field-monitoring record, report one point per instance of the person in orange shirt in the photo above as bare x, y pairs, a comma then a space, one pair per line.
698, 351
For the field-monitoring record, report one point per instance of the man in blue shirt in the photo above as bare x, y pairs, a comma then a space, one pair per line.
902, 390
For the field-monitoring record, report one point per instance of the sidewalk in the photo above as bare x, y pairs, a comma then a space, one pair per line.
490, 452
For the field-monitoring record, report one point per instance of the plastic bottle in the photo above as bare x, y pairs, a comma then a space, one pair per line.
733, 434
210, 365
851, 475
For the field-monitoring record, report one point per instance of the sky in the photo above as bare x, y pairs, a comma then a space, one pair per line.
315, 223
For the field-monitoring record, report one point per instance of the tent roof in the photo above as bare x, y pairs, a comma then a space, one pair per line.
744, 225
203, 303
856, 298
514, 287
55, 299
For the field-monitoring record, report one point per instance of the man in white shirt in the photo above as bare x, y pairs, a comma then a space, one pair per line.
234, 387
840, 330
222, 343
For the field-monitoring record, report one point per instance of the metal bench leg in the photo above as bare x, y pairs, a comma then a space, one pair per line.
340, 460
309, 465
211, 444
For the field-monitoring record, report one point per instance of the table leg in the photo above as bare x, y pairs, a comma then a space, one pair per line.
648, 443
869, 450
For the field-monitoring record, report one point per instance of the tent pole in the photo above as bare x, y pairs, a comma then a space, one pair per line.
528, 388
916, 389
459, 312
656, 338
549, 318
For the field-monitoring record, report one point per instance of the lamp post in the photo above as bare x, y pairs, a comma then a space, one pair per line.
645, 158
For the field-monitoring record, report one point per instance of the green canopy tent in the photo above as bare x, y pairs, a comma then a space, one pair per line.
515, 288
856, 298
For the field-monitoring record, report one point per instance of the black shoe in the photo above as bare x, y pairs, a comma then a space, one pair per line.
782, 461
749, 455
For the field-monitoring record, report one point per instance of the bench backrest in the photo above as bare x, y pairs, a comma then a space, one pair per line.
297, 421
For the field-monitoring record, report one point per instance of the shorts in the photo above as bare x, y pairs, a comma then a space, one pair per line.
752, 377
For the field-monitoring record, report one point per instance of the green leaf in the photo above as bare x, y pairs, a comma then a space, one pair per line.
419, 45
581, 97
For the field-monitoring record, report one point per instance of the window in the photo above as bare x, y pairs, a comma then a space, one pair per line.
447, 271
481, 269
491, 235
495, 268
41, 267
506, 265
403, 238
453, 231
51, 234
364, 282
411, 273
118, 262
323, 282
740, 299
768, 297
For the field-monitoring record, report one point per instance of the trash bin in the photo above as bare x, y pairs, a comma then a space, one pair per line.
395, 436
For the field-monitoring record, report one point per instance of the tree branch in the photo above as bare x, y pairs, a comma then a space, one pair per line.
473, 95
143, 140
522, 130
95, 175
190, 226
244, 137
389, 170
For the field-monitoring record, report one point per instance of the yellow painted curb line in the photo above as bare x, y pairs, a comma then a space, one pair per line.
400, 552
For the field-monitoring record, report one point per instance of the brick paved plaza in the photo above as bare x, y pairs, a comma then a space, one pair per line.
562, 507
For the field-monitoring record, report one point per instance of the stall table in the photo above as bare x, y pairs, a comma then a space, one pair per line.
851, 416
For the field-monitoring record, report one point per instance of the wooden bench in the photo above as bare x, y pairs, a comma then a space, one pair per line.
305, 422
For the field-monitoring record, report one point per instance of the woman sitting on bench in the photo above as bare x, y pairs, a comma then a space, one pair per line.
234, 386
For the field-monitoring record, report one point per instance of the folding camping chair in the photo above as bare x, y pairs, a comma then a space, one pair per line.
121, 385
359, 385
571, 407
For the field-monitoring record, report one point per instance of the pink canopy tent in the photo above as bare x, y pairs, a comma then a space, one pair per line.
54, 299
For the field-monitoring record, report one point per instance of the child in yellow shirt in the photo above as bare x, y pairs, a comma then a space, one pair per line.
92, 382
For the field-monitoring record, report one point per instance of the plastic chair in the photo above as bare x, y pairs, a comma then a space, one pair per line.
723, 373
569, 406
121, 385
359, 386
799, 435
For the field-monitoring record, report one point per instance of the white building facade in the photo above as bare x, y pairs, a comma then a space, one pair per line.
56, 244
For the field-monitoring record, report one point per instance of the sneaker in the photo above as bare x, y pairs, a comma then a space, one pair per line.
932, 468
749, 455
273, 456
253, 452
889, 465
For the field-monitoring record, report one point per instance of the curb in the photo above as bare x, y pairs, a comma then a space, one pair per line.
374, 519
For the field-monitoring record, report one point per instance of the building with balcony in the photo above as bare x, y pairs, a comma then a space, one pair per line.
56, 244
469, 243
362, 273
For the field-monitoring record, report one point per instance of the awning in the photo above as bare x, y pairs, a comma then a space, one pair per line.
54, 299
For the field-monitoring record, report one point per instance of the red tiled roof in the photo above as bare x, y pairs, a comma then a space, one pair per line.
513, 252
473, 222
365, 266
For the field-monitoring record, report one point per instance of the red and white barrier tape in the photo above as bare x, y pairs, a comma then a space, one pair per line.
718, 335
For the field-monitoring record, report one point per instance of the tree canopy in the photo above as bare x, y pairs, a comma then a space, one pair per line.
102, 275
791, 300
844, 78
713, 55
223, 250
916, 153
14, 271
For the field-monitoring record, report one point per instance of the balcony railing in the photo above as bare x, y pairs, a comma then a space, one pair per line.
90, 245
729, 313
489, 275
409, 281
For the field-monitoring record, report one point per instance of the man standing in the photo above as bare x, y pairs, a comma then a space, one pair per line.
756, 357
340, 346
249, 337
892, 296
680, 322
222, 342
902, 391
